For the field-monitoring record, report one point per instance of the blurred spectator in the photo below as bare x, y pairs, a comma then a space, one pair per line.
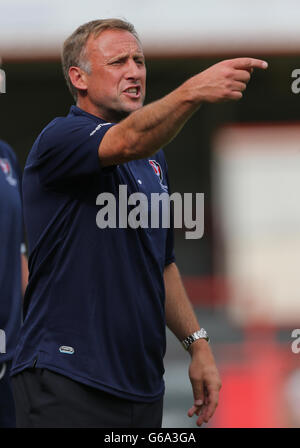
13, 273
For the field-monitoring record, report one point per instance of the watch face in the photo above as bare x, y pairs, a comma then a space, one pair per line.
203, 333
200, 334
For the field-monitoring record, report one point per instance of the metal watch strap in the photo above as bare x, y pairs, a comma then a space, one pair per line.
200, 334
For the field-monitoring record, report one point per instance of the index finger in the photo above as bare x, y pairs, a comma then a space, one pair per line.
248, 63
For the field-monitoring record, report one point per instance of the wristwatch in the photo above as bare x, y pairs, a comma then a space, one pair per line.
200, 334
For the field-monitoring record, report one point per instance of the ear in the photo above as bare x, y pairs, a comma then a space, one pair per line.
78, 78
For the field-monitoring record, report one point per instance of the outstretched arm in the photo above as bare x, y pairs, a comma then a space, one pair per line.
146, 130
182, 321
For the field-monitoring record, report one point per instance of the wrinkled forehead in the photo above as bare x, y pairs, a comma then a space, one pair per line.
111, 43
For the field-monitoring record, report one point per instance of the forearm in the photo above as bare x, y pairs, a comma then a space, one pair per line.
24, 273
180, 316
146, 130
182, 321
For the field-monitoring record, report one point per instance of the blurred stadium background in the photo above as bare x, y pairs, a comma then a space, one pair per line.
243, 275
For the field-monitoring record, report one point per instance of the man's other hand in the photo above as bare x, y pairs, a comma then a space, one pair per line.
205, 380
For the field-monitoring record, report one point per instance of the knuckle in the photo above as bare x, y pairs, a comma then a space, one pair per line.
228, 94
195, 379
227, 72
248, 62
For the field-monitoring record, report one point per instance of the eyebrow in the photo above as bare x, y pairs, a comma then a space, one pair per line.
138, 55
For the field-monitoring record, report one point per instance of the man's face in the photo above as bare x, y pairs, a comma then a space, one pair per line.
117, 82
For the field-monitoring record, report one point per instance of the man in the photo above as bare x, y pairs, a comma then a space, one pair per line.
93, 340
13, 275
13, 270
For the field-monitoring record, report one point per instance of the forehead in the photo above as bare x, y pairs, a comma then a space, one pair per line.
111, 43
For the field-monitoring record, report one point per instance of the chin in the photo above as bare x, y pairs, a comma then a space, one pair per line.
132, 107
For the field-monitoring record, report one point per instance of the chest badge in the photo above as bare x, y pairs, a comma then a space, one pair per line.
6, 168
158, 171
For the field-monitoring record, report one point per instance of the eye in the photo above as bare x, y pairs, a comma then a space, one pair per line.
118, 61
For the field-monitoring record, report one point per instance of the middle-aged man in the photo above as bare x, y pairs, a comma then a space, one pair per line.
99, 299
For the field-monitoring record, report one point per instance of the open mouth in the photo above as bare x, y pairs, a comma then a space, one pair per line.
133, 92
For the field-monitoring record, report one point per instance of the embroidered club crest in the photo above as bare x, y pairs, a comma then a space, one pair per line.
158, 171
6, 168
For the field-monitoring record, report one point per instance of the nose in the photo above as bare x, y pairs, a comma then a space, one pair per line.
132, 69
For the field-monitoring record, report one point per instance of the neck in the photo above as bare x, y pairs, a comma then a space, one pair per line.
110, 116
91, 108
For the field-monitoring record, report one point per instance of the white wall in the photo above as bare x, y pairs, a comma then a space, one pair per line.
165, 26
257, 197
